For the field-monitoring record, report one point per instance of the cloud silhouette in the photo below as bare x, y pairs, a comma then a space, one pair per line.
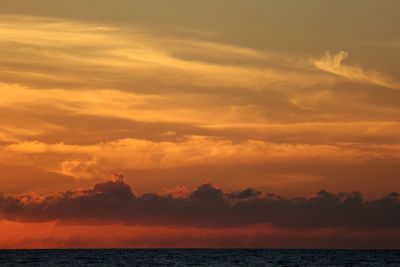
206, 207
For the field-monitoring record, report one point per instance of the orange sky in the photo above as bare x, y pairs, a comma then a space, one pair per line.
51, 235
281, 97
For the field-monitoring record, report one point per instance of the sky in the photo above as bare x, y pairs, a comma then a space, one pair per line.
172, 123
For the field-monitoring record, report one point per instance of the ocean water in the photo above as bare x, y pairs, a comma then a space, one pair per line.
198, 257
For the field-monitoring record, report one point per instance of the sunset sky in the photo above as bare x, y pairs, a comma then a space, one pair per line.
234, 123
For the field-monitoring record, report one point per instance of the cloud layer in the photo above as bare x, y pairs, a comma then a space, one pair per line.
155, 91
83, 99
87, 161
205, 207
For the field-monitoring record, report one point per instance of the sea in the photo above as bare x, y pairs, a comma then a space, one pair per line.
198, 257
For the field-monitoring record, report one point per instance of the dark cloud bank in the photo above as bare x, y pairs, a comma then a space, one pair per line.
207, 207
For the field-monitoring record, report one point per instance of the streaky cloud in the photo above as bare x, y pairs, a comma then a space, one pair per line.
333, 64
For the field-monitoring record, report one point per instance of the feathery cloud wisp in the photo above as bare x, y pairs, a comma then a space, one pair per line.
333, 64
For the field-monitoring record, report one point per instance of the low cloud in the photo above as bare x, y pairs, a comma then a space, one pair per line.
205, 207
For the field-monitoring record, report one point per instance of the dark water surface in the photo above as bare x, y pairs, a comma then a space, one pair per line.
199, 257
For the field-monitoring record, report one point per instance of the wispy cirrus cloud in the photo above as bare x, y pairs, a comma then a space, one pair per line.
73, 54
82, 98
88, 161
333, 64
